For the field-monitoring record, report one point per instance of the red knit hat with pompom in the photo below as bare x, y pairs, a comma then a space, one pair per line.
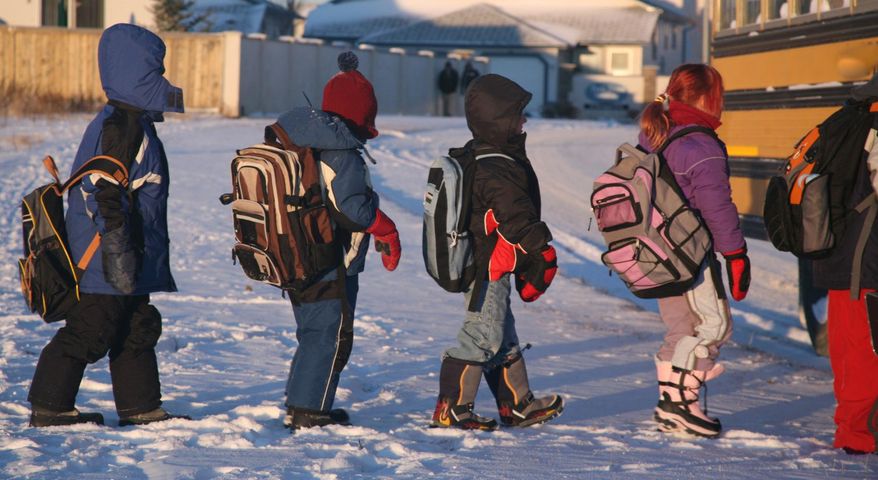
349, 95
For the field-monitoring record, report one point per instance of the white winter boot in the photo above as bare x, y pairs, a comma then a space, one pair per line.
678, 408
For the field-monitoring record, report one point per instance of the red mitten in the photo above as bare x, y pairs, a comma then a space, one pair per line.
504, 258
738, 267
386, 240
539, 275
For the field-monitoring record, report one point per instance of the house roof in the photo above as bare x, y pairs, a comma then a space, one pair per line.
574, 21
480, 25
247, 16
604, 25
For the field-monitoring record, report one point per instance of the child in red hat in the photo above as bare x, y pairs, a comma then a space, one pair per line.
324, 312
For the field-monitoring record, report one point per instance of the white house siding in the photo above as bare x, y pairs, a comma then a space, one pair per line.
128, 11
668, 51
25, 13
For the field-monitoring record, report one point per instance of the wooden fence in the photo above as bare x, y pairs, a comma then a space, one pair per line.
219, 72
59, 63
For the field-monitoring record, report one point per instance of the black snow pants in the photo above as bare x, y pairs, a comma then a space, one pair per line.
126, 327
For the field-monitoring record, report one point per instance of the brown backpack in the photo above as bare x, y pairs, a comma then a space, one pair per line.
284, 233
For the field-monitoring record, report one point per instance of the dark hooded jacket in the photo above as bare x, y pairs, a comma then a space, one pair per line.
448, 79
835, 271
133, 255
494, 106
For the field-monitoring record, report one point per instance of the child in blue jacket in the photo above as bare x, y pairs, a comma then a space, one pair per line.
129, 229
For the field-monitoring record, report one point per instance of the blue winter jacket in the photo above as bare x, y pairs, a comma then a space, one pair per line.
131, 60
344, 173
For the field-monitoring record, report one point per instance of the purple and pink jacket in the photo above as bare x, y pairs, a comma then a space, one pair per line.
701, 167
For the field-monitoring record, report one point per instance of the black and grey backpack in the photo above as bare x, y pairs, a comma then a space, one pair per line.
447, 241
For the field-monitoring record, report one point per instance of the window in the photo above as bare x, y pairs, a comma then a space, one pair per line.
752, 12
778, 9
833, 4
54, 13
674, 39
727, 12
814, 6
620, 62
89, 13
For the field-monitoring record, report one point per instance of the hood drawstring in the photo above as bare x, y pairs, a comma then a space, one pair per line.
366, 152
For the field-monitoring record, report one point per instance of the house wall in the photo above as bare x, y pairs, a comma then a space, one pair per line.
694, 9
598, 59
536, 69
666, 48
128, 11
21, 12
26, 13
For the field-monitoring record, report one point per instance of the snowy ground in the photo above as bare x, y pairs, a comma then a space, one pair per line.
227, 342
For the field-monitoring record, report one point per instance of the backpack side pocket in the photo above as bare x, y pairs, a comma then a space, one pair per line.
776, 212
817, 235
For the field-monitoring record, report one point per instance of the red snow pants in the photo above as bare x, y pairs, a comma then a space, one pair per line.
855, 367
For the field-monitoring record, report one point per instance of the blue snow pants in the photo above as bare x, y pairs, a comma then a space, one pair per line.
325, 331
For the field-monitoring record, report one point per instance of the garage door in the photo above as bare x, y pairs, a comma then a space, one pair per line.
529, 72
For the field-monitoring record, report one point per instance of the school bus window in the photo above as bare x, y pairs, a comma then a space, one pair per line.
813, 6
778, 9
804, 7
752, 12
833, 4
727, 14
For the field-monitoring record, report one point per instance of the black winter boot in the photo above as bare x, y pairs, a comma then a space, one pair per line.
303, 418
152, 416
41, 417
516, 403
458, 385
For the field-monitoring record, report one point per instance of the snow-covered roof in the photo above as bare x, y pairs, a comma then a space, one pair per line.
480, 25
247, 16
575, 21
604, 25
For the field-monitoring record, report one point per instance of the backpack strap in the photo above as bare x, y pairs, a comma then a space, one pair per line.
103, 165
276, 135
664, 172
686, 131
870, 206
469, 173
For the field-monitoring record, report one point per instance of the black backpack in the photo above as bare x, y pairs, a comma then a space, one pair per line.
806, 205
49, 274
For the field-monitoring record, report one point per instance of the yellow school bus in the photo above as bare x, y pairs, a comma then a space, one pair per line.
786, 65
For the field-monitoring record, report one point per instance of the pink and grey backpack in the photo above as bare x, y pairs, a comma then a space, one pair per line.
655, 242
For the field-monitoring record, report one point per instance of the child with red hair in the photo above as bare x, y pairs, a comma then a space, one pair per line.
681, 123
